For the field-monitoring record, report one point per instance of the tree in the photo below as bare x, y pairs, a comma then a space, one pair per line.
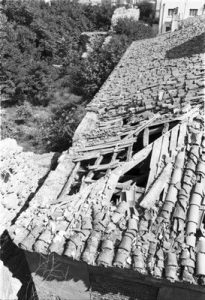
135, 30
100, 16
147, 11
89, 76
56, 132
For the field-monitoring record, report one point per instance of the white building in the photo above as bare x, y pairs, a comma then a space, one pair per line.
170, 11
92, 2
108, 2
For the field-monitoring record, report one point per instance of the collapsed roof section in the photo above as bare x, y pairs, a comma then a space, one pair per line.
153, 224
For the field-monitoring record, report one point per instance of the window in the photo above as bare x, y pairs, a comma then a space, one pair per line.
168, 28
170, 12
193, 12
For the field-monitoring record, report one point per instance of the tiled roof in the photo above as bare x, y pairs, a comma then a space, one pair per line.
164, 74
113, 221
129, 193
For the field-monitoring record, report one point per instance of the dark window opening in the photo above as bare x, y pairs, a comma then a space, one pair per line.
171, 12
168, 28
193, 12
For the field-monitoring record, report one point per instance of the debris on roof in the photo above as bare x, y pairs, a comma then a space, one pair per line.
123, 218
21, 174
130, 191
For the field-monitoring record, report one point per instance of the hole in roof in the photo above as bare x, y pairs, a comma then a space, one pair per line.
125, 121
86, 163
97, 175
122, 155
106, 158
138, 145
139, 174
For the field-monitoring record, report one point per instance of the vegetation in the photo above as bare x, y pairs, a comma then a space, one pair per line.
48, 81
147, 11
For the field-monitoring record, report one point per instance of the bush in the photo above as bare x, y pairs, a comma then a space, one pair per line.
56, 133
24, 112
38, 37
41, 63
89, 76
147, 11
135, 30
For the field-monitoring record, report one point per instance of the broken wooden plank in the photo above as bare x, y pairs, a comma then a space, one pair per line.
163, 152
114, 156
98, 161
105, 166
182, 134
110, 186
143, 126
165, 127
136, 159
121, 143
129, 152
154, 192
86, 156
146, 137
114, 175
173, 139
67, 186
91, 173
154, 160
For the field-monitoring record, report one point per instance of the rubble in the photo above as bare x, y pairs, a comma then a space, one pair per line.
21, 173
93, 227
9, 290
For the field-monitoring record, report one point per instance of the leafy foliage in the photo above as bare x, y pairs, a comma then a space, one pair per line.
92, 72
135, 30
100, 16
57, 131
147, 11
42, 65
89, 76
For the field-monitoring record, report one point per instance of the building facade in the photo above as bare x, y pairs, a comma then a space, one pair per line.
170, 12
109, 2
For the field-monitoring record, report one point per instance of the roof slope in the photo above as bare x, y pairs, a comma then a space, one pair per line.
113, 221
164, 74
130, 192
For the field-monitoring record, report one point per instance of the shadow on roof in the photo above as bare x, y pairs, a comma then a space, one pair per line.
193, 46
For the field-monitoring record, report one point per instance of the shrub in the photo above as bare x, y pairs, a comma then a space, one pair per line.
136, 30
147, 11
57, 131
24, 112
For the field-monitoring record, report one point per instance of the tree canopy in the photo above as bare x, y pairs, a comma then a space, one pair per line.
42, 63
